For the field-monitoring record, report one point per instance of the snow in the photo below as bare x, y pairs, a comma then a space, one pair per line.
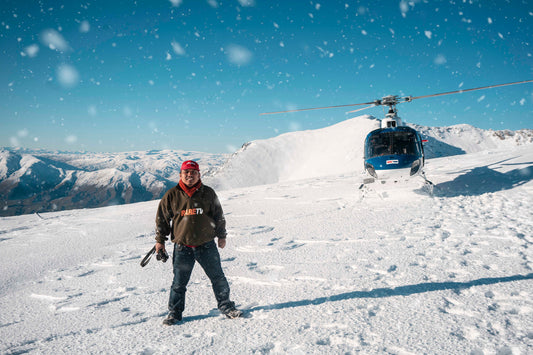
317, 265
338, 149
291, 156
41, 181
55, 181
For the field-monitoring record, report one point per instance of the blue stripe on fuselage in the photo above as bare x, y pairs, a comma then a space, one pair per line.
395, 161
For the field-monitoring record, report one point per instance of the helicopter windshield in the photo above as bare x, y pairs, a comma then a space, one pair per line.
392, 142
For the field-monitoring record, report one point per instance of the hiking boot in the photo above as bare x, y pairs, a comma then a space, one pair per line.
232, 313
172, 318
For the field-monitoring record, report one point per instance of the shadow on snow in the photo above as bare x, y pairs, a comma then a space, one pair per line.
483, 180
396, 291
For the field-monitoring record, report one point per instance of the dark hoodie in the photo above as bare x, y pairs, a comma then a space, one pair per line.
190, 220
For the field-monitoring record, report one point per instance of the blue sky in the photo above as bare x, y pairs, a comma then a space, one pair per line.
195, 74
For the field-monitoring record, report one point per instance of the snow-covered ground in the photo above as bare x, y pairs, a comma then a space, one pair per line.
43, 181
318, 267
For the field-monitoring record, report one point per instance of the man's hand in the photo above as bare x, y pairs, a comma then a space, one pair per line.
221, 243
159, 246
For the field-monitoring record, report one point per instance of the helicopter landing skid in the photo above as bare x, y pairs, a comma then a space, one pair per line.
428, 185
390, 186
423, 175
365, 190
366, 181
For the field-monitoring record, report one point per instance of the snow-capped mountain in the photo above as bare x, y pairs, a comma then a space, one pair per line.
464, 138
39, 181
338, 149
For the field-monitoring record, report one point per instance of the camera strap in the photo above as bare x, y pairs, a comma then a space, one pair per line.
147, 258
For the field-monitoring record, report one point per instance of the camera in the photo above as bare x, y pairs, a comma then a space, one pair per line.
162, 255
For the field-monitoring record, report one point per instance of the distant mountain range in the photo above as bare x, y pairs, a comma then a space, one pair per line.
41, 181
33, 181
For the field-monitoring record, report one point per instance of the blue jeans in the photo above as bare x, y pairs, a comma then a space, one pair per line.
183, 262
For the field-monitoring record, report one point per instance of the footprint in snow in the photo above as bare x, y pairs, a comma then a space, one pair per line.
272, 241
292, 245
13, 230
261, 229
57, 303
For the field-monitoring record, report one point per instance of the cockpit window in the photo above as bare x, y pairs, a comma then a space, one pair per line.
388, 143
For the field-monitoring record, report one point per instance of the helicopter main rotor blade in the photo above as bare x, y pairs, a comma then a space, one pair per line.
465, 90
361, 109
396, 100
316, 108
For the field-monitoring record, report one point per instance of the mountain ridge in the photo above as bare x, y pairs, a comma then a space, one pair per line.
339, 149
44, 181
41, 180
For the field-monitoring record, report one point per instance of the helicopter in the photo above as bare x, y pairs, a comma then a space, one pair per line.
394, 151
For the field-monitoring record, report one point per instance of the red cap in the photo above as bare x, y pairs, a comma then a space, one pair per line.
190, 165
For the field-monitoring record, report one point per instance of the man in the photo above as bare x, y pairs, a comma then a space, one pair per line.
191, 213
